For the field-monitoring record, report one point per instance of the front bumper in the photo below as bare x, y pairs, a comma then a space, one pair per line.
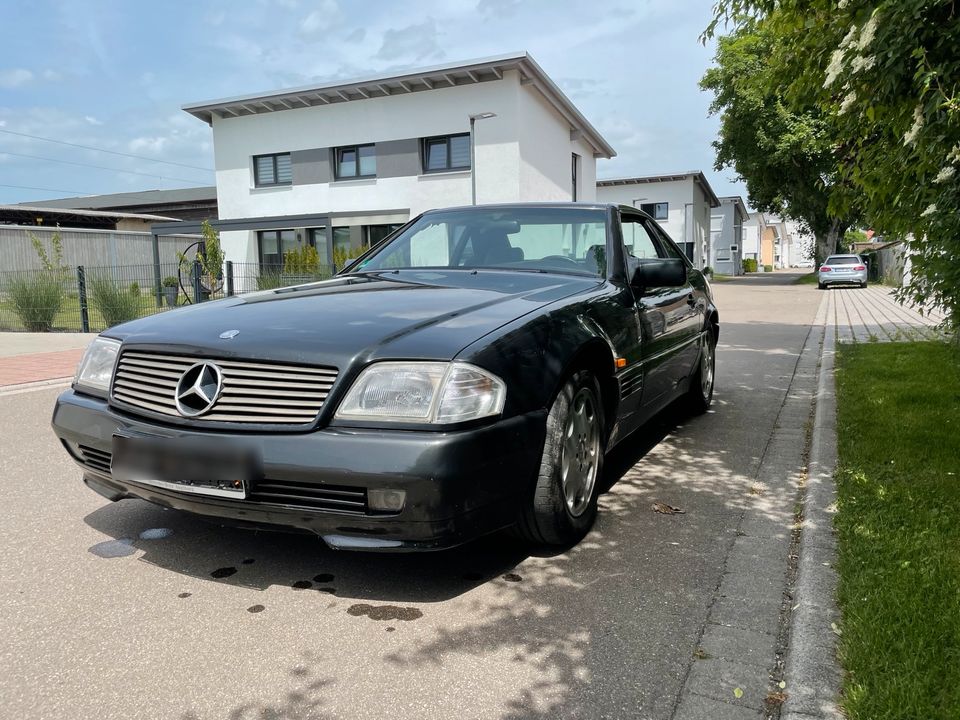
459, 485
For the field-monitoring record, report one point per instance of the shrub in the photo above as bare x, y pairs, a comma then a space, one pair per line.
768, 268
268, 280
115, 305
342, 258
302, 261
135, 289
171, 281
708, 271
750, 265
36, 299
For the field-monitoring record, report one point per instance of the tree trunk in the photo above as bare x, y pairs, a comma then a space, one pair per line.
827, 242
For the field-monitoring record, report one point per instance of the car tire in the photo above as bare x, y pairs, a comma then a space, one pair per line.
863, 286
821, 286
700, 394
563, 505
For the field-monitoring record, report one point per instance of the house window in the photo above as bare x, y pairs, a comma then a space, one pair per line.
658, 211
574, 162
272, 244
272, 170
358, 161
373, 234
448, 152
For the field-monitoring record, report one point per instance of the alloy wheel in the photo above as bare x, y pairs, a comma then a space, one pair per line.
580, 454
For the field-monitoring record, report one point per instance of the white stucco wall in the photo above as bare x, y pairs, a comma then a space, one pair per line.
546, 154
436, 112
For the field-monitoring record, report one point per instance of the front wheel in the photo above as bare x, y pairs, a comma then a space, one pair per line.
700, 394
564, 503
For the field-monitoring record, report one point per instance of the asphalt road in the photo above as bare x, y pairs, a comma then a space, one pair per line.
127, 610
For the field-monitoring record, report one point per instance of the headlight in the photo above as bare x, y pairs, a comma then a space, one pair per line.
423, 392
95, 370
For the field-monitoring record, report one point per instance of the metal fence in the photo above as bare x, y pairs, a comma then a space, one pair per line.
92, 248
91, 299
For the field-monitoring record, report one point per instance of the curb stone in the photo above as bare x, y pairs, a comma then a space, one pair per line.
812, 671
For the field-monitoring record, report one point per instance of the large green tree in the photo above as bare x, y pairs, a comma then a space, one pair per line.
786, 155
887, 75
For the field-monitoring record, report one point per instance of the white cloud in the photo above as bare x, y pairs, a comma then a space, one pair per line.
414, 42
15, 77
323, 18
52, 75
498, 8
152, 145
92, 120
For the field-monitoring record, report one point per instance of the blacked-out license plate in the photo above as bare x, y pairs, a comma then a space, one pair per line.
185, 465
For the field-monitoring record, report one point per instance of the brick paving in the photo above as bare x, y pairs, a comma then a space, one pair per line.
873, 315
34, 367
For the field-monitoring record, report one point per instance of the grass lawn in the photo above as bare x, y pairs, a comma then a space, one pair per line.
68, 319
899, 529
808, 279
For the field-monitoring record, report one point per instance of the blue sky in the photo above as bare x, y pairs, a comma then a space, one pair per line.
113, 75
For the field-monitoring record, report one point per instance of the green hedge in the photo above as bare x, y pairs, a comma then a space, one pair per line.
750, 265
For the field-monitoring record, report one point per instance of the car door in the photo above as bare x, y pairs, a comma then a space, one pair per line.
664, 316
692, 323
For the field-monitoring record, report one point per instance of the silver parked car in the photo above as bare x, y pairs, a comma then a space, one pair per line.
842, 269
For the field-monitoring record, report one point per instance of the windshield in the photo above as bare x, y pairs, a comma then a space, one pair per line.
842, 260
550, 239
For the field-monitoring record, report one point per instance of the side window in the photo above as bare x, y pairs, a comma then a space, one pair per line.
637, 241
671, 248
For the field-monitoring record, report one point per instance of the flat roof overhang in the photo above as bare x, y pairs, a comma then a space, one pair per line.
269, 222
421, 80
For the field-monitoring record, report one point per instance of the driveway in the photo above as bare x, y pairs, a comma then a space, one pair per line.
129, 610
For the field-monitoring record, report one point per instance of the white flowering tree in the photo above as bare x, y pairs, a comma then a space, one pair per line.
886, 75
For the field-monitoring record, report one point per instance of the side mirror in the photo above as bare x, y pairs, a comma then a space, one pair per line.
659, 272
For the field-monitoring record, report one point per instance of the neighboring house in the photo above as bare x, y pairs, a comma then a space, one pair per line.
726, 235
754, 228
199, 203
341, 165
39, 215
775, 242
681, 203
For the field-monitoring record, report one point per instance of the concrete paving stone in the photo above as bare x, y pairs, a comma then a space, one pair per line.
697, 707
718, 679
739, 645
757, 525
773, 568
751, 587
758, 614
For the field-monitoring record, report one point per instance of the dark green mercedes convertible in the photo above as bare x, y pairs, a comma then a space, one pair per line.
466, 375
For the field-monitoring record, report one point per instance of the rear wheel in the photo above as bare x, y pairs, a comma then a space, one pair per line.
700, 394
564, 503
821, 286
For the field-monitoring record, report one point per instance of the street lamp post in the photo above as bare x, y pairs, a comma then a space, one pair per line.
473, 154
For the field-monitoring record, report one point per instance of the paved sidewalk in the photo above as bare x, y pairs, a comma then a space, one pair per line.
35, 367
873, 315
34, 357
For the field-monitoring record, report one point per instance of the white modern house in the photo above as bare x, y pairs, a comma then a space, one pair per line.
726, 235
681, 203
340, 165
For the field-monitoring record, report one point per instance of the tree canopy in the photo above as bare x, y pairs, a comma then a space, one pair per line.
884, 75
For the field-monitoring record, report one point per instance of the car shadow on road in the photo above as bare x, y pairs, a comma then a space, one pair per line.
258, 559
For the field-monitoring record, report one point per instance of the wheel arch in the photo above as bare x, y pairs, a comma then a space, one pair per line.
596, 356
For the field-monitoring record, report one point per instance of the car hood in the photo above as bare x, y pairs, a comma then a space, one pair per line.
400, 314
